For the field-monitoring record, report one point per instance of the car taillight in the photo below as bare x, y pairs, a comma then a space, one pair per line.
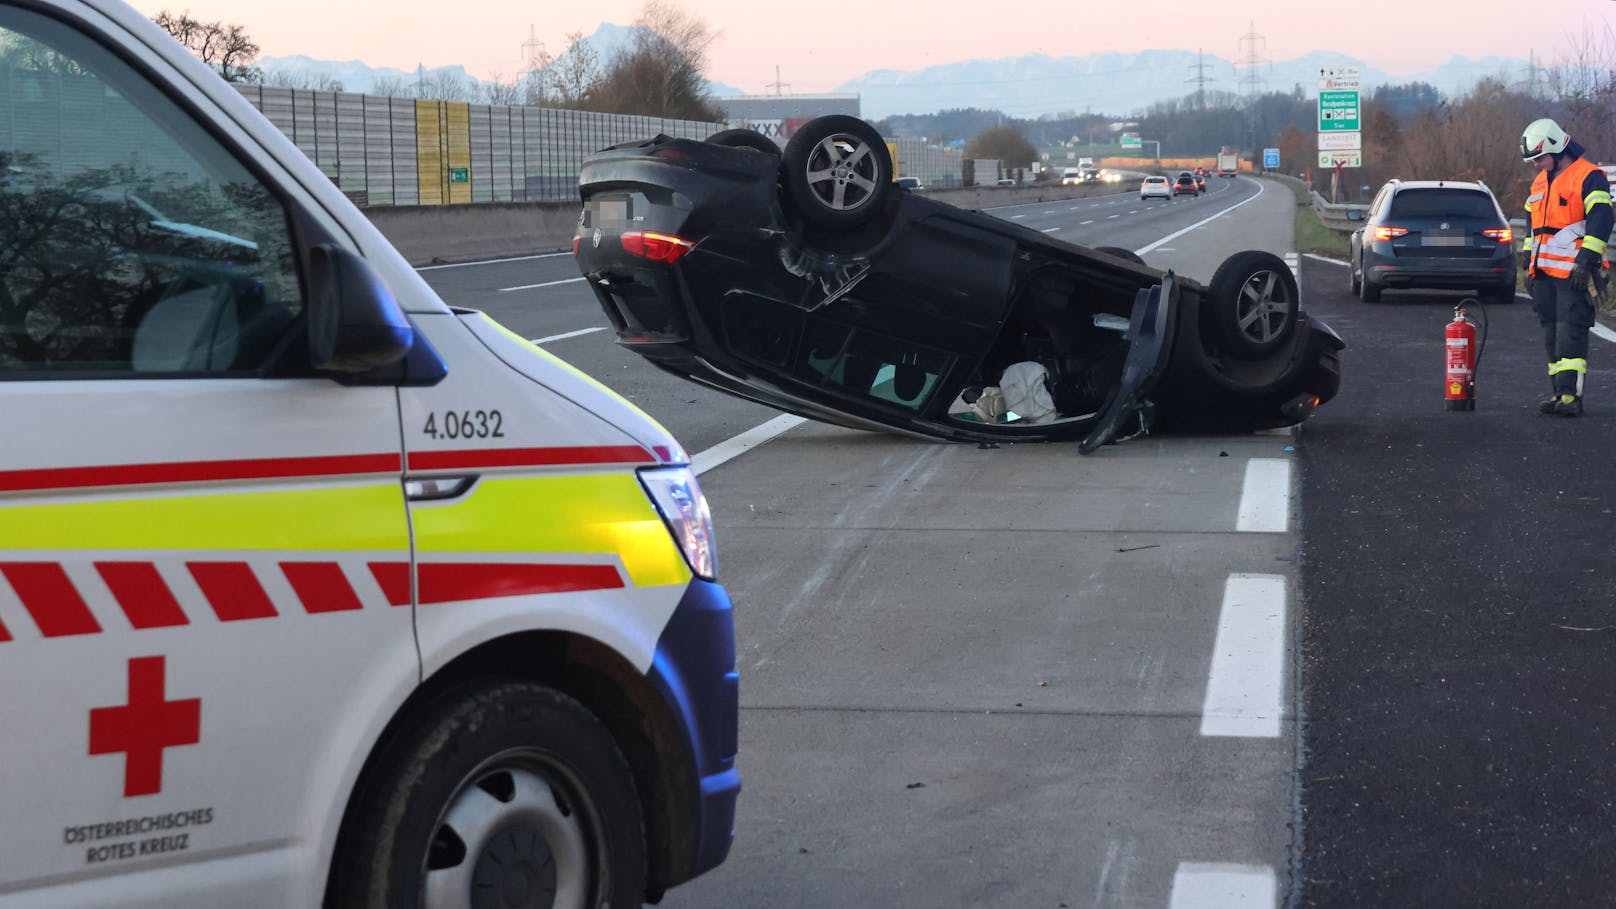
1387, 233
575, 247
1501, 234
654, 246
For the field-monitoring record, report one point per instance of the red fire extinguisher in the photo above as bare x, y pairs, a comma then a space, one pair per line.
1464, 355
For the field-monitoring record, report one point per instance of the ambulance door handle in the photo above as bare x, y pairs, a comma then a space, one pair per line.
432, 489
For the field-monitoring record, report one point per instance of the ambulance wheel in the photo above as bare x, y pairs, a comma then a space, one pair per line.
510, 794
1254, 300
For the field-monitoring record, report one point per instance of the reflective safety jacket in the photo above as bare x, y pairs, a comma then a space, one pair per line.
1570, 212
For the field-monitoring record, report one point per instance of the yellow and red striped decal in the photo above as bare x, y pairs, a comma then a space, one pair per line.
196, 472
583, 513
237, 591
485, 458
314, 518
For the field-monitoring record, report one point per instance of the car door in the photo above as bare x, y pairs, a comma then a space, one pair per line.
191, 522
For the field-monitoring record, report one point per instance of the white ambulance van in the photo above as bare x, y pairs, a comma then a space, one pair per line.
313, 590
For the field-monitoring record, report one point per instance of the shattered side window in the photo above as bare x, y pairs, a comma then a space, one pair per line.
870, 364
131, 241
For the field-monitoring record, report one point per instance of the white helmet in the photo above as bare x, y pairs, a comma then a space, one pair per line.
1542, 137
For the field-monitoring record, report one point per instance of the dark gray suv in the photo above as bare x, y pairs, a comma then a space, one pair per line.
1436, 234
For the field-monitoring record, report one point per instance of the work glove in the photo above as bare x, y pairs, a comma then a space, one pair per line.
1524, 260
1588, 264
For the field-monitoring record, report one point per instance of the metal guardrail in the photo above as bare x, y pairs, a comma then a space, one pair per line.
1336, 216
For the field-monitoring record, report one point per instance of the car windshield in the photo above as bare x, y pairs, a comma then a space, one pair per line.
1443, 203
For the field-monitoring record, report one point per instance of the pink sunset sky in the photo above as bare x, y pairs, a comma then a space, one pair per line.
818, 47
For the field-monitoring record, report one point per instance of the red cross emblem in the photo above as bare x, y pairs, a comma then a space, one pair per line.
144, 727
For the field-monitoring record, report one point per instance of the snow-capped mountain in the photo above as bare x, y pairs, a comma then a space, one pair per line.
1118, 83
1027, 86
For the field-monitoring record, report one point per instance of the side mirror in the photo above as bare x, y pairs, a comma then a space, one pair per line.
1355, 214
355, 325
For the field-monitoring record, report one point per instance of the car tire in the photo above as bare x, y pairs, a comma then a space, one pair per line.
1357, 282
836, 171
1255, 301
1120, 253
744, 138
1368, 291
474, 765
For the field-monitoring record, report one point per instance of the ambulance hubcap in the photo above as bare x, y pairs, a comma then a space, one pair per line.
515, 836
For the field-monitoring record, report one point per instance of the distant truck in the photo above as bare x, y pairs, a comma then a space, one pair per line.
1228, 162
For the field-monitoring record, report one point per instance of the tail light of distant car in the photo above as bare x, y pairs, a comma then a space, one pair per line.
1389, 233
1501, 234
654, 246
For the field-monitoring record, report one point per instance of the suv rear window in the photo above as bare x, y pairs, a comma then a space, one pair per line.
1443, 203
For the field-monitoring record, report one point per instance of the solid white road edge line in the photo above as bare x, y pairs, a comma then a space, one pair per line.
1176, 234
567, 334
1209, 885
1599, 328
1245, 684
729, 449
506, 290
1265, 499
491, 261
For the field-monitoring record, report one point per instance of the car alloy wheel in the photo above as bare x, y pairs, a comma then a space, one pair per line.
837, 171
1256, 300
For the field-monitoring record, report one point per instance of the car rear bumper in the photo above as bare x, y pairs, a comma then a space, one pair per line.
1439, 274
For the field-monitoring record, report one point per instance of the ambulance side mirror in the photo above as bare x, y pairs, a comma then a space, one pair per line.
355, 325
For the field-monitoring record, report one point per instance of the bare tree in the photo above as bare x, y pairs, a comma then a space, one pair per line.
226, 48
448, 85
305, 81
392, 87
659, 73
571, 76
1005, 143
498, 92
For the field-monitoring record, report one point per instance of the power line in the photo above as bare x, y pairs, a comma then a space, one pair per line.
777, 84
1251, 61
1200, 79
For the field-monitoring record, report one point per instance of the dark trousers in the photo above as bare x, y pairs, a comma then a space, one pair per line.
1566, 314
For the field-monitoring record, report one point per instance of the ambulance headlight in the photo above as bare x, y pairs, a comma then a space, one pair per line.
678, 496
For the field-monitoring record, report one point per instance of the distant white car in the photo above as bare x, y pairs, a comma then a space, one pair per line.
910, 183
1156, 188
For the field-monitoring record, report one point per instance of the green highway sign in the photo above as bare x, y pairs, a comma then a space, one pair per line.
1338, 110
1132, 142
459, 175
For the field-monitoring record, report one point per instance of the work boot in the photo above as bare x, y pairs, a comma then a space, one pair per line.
1550, 405
1568, 406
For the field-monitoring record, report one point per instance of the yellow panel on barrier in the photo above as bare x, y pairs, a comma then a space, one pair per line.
457, 140
429, 152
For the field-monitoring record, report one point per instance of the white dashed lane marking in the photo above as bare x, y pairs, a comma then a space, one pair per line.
1244, 689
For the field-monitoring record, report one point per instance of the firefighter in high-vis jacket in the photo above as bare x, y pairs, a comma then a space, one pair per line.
1570, 217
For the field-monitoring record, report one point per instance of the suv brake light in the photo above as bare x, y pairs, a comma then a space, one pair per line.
655, 246
1501, 234
1387, 233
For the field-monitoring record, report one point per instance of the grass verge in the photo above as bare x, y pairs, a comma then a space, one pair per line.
1311, 235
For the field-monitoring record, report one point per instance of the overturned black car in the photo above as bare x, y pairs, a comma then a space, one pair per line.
807, 280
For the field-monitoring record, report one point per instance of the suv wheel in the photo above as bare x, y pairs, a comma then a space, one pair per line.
1255, 300
836, 171
1368, 291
